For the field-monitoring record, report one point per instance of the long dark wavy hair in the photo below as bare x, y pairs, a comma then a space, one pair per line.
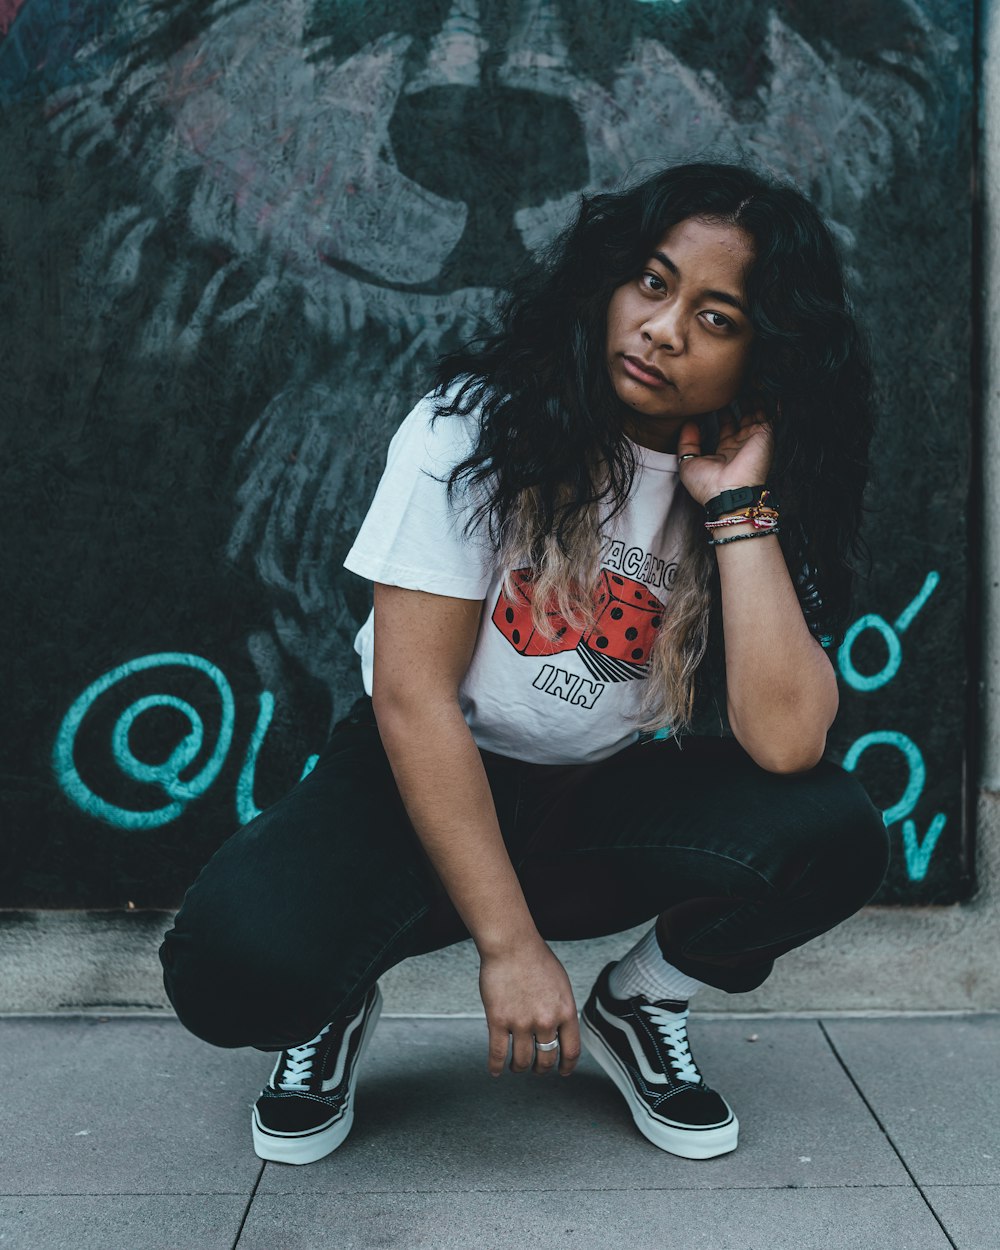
553, 465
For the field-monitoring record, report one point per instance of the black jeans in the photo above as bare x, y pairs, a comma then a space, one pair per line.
301, 910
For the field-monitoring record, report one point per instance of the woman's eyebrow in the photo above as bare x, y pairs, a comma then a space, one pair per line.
722, 296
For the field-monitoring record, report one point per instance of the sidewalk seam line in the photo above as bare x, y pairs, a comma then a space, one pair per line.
520, 1189
125, 1193
888, 1136
583, 1189
246, 1212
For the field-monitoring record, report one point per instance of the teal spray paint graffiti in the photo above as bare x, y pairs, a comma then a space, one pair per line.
891, 635
917, 851
167, 776
246, 809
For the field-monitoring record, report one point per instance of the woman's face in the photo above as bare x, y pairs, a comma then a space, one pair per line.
678, 333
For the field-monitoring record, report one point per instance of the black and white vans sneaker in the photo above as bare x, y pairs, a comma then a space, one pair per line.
307, 1107
643, 1047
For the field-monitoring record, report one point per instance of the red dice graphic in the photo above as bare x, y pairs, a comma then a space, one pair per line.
628, 617
514, 621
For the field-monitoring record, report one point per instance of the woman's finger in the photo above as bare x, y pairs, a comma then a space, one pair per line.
545, 1060
499, 1041
522, 1051
569, 1045
689, 439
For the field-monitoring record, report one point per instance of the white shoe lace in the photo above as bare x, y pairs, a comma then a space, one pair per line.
672, 1027
298, 1065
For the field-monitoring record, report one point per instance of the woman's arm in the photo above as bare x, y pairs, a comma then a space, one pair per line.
781, 687
423, 644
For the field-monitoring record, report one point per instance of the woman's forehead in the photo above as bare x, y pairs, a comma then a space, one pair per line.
696, 247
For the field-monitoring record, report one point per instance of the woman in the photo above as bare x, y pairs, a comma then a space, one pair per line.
610, 554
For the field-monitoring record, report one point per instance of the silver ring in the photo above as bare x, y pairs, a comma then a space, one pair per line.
688, 455
546, 1045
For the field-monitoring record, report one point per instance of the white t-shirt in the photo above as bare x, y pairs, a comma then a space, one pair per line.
564, 702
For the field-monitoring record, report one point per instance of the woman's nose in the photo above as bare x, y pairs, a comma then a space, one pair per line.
666, 329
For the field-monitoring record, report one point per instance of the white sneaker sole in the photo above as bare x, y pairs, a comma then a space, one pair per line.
689, 1143
317, 1143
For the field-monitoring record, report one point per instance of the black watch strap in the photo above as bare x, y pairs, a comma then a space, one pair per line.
729, 500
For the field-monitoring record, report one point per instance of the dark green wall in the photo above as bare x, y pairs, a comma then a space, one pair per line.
233, 238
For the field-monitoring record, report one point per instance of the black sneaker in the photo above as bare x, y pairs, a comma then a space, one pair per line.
643, 1047
307, 1107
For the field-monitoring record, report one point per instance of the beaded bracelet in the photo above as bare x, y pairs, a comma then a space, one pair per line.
735, 538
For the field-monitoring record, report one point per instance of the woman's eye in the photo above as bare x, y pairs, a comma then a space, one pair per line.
653, 282
720, 322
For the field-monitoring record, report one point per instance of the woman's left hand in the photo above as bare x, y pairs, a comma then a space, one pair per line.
742, 457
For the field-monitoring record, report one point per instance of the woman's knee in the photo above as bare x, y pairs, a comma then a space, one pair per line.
244, 980
850, 840
205, 990
238, 993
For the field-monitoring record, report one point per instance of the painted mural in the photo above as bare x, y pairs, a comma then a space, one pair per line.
233, 238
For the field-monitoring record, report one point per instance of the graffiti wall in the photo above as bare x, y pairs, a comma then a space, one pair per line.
233, 238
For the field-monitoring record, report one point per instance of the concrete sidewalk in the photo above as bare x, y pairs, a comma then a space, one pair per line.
856, 1132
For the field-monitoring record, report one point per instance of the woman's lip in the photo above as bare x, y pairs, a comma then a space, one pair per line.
642, 372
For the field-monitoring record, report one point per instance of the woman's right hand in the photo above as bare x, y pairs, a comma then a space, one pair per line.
527, 994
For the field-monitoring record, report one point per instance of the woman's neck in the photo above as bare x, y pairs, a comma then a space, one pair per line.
655, 434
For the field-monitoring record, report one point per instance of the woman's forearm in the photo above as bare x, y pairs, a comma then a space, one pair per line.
441, 780
782, 688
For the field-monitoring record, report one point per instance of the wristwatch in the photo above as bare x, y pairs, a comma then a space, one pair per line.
730, 500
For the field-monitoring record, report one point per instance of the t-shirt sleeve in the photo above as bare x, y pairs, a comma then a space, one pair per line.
414, 535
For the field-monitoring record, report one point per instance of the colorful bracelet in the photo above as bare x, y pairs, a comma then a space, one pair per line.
760, 514
735, 538
732, 520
